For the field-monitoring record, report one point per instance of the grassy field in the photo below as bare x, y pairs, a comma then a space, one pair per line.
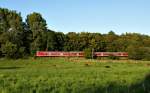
74, 75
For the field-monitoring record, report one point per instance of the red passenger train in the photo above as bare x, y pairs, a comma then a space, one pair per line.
78, 54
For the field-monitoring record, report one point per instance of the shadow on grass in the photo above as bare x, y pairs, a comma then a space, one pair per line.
5, 68
112, 87
141, 87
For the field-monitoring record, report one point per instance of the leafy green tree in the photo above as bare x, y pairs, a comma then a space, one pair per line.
11, 27
84, 38
26, 38
60, 41
51, 41
37, 25
109, 39
3, 20
71, 43
96, 42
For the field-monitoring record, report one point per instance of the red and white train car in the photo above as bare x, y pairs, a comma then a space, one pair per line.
78, 54
106, 54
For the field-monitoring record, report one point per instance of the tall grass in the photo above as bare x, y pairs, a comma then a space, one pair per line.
73, 75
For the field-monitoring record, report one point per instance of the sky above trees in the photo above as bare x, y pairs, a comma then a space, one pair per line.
88, 15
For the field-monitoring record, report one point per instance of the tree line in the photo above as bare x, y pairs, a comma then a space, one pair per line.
21, 39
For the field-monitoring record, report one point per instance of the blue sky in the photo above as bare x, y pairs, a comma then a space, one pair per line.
101, 16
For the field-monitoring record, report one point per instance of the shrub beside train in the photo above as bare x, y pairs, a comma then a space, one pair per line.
78, 54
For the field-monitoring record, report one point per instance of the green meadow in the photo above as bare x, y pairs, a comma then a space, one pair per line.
74, 75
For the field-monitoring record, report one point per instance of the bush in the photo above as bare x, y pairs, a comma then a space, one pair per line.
10, 50
146, 53
88, 53
139, 53
113, 57
1, 54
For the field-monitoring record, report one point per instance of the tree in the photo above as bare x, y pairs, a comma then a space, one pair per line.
71, 43
110, 44
96, 42
37, 25
3, 20
51, 41
27, 38
60, 41
11, 27
83, 41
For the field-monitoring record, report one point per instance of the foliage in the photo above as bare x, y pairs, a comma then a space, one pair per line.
113, 57
146, 53
89, 53
11, 41
33, 35
37, 25
134, 53
139, 53
9, 49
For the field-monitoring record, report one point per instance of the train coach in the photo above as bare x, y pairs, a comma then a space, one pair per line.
78, 54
